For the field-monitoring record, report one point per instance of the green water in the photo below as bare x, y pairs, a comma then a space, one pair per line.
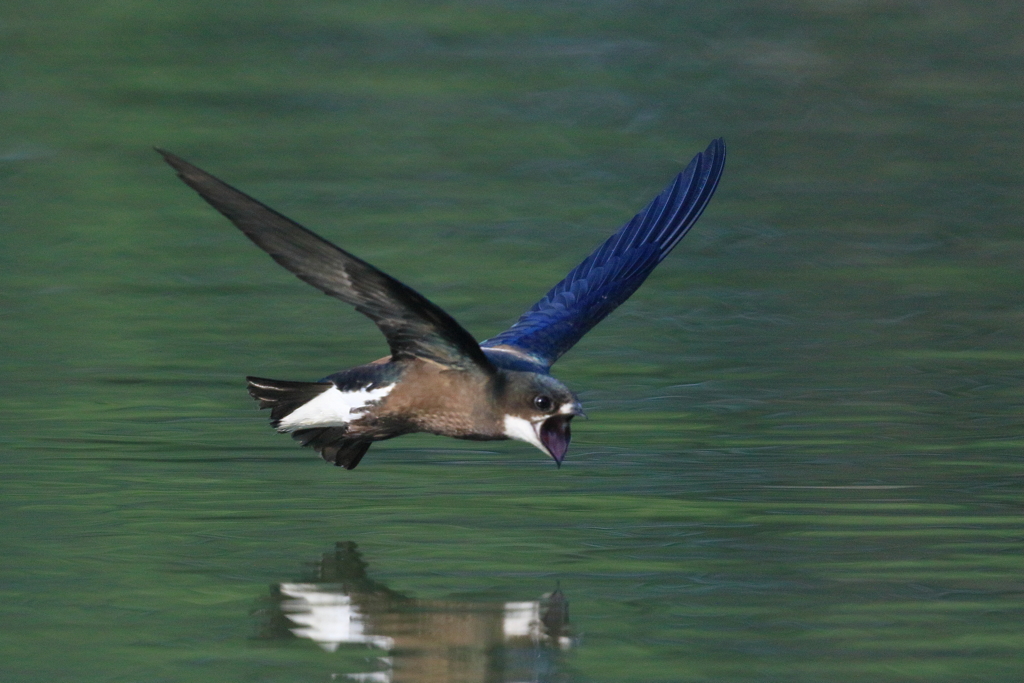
803, 459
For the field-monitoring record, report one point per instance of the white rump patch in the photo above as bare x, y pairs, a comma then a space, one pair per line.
522, 429
332, 408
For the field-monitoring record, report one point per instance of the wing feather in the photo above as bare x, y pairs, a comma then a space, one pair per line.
615, 270
412, 325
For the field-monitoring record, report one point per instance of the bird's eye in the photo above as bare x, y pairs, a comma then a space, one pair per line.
542, 403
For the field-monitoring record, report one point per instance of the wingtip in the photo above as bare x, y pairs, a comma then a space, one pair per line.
715, 150
717, 164
173, 160
548, 329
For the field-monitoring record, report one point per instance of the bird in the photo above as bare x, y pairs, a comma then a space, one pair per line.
438, 379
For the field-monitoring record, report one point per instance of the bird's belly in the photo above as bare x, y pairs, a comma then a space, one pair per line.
455, 425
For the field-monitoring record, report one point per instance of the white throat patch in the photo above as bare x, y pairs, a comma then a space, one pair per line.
521, 429
333, 408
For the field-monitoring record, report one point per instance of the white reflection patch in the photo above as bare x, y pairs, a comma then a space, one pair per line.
328, 619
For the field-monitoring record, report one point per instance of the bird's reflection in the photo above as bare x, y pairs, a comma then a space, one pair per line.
422, 641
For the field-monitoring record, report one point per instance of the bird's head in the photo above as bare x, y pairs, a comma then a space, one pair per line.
537, 409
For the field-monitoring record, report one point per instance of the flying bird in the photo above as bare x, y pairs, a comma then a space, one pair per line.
438, 378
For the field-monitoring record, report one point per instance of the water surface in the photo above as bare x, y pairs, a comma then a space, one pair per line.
803, 458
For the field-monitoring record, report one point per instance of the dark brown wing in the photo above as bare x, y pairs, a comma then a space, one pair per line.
412, 325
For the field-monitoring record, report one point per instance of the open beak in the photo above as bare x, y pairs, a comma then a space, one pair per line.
556, 434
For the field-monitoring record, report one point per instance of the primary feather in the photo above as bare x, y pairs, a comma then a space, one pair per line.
615, 270
413, 326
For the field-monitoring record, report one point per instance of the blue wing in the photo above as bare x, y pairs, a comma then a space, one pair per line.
615, 270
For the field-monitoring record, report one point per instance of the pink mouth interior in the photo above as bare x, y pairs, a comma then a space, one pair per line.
555, 435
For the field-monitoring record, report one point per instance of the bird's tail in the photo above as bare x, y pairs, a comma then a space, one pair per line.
282, 396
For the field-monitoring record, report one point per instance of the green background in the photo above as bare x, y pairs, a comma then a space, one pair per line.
803, 458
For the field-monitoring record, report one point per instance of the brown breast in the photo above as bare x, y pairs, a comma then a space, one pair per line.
433, 398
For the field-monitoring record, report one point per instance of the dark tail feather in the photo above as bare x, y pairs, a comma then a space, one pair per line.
333, 446
282, 396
